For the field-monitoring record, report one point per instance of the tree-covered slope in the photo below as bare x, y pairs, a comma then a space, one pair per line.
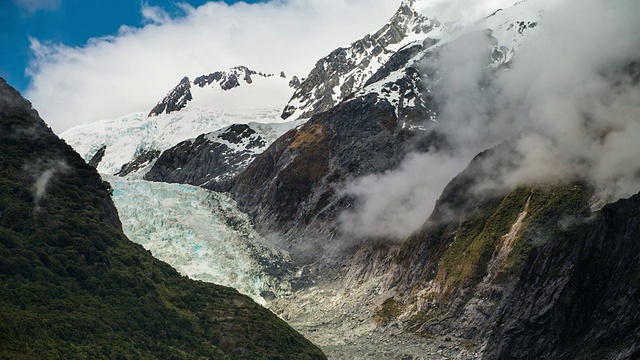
73, 286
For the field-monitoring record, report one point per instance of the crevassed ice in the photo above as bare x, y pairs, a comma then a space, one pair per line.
199, 232
127, 136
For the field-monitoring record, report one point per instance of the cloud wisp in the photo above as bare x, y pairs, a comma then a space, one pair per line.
43, 173
33, 6
130, 71
569, 105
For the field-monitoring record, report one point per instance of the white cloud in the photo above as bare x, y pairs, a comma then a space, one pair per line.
461, 11
154, 14
33, 6
131, 70
566, 104
396, 203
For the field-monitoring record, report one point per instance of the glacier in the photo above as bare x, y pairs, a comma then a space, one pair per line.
201, 234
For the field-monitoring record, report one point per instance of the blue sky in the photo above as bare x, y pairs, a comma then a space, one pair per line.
71, 22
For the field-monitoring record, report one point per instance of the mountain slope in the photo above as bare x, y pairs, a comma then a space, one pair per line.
294, 184
73, 286
212, 159
588, 307
506, 261
394, 111
533, 271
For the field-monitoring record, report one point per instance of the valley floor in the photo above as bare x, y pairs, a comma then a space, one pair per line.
340, 322
203, 235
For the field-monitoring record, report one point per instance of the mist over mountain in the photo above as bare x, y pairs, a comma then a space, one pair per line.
553, 104
460, 183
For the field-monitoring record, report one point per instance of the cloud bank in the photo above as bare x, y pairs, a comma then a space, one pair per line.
131, 70
569, 106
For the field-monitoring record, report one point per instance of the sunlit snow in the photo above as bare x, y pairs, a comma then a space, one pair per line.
127, 136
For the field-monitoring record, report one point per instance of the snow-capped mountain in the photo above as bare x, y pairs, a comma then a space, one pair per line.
391, 111
393, 57
175, 100
345, 70
212, 159
238, 88
412, 73
132, 143
389, 63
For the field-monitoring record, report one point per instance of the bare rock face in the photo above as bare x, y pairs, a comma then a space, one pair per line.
578, 295
294, 82
95, 159
145, 158
294, 185
175, 100
210, 159
228, 79
231, 78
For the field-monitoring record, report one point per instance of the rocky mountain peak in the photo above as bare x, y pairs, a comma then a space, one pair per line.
407, 20
175, 100
346, 69
229, 79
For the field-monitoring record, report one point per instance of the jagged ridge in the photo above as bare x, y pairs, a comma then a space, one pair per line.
345, 70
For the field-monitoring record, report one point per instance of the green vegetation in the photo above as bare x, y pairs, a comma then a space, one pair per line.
553, 210
476, 240
465, 262
73, 286
461, 249
389, 310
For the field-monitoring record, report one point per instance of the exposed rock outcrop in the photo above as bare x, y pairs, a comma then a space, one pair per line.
345, 70
146, 158
205, 161
95, 159
175, 100
230, 79
212, 160
294, 185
